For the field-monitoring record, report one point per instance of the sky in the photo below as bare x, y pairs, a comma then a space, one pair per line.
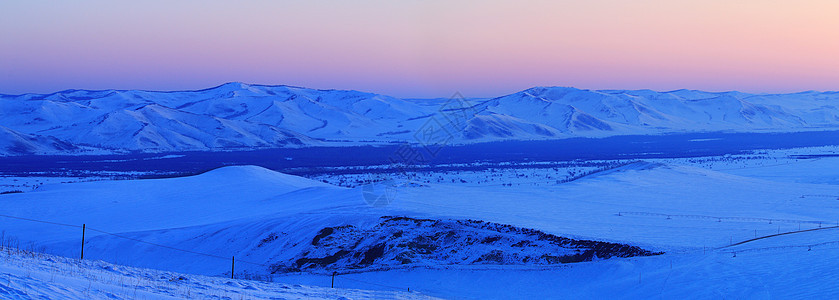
414, 48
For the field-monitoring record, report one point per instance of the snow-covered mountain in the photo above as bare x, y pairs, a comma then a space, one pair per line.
578, 112
16, 143
243, 116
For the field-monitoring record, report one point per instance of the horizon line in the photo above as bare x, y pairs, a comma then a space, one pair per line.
411, 97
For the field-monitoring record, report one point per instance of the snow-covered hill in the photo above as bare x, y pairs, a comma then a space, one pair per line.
611, 221
243, 116
284, 222
17, 143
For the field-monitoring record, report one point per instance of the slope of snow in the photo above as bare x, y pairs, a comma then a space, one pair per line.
708, 208
225, 212
27, 275
234, 211
135, 205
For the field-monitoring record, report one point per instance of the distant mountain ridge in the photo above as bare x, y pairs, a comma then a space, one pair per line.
245, 116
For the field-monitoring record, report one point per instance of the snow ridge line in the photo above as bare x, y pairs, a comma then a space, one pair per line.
133, 239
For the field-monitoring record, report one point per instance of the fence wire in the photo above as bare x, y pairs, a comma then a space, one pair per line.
183, 250
719, 218
132, 239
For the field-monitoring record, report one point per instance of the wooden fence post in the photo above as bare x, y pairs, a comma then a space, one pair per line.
232, 265
83, 228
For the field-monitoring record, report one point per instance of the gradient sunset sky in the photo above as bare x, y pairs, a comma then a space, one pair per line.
423, 48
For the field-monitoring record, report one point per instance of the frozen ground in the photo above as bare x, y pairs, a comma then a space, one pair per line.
13, 184
691, 208
777, 165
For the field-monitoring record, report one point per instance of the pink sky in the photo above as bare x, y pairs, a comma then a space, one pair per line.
418, 48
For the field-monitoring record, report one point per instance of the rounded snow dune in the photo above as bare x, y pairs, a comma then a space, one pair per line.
220, 195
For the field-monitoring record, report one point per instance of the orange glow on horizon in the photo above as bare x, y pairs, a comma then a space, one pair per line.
422, 48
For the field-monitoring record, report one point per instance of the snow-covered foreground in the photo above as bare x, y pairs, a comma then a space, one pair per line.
270, 221
28, 275
762, 271
779, 273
